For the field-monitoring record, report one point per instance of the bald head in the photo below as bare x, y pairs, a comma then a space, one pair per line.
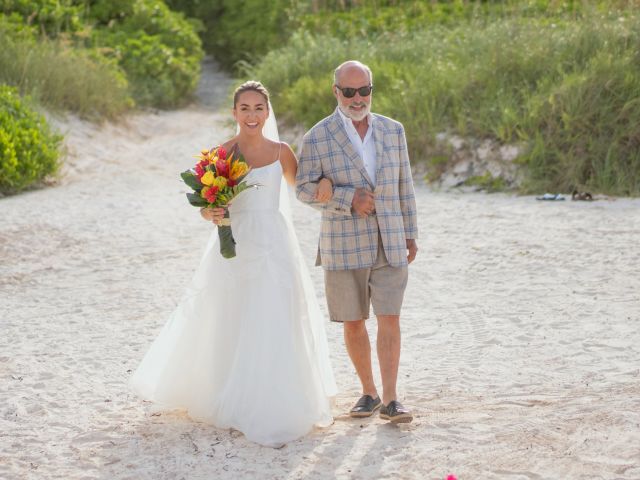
349, 68
353, 89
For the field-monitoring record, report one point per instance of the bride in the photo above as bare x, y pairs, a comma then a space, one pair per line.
246, 346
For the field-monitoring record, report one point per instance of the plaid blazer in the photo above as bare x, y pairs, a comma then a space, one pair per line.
348, 241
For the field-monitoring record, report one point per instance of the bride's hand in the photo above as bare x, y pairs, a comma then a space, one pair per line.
212, 214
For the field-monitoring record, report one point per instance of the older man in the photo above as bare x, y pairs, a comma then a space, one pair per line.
368, 231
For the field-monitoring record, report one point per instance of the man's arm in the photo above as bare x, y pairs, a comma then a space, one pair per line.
307, 178
407, 194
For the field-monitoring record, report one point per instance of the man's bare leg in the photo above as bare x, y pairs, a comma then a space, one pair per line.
356, 339
389, 354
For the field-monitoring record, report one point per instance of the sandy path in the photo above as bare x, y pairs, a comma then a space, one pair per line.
521, 352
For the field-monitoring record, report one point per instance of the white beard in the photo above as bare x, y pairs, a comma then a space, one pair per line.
355, 116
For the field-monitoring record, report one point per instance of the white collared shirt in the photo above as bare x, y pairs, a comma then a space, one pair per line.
366, 148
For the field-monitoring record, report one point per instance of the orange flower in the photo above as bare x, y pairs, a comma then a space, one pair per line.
238, 170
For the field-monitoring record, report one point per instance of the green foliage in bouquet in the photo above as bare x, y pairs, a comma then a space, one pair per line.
196, 199
28, 149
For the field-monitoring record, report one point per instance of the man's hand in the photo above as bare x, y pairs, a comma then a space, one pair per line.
363, 203
412, 246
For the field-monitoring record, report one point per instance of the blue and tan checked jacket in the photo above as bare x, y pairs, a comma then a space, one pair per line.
348, 241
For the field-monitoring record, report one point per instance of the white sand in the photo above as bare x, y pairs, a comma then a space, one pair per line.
521, 354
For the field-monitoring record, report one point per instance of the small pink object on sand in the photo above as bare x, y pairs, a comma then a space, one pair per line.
451, 477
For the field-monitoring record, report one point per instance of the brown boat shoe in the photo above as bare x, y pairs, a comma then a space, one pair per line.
395, 412
365, 406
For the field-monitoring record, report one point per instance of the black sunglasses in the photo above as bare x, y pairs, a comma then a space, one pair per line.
349, 92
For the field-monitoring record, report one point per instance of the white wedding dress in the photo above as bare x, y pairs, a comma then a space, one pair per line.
246, 347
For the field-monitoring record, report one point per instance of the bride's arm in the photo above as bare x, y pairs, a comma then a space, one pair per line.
289, 164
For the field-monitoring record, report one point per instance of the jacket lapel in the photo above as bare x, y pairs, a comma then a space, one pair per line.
337, 130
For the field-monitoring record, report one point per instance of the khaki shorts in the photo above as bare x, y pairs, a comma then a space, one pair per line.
350, 292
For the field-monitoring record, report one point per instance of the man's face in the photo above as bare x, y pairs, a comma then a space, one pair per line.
358, 106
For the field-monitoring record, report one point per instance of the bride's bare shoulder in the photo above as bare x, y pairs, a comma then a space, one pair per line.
283, 146
274, 144
286, 153
229, 143
281, 149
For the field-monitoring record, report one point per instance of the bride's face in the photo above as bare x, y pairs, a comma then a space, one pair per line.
251, 111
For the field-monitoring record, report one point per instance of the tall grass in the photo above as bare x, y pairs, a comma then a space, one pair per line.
567, 88
137, 48
63, 78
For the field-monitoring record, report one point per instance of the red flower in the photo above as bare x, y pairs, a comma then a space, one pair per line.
211, 194
222, 167
231, 183
199, 171
222, 153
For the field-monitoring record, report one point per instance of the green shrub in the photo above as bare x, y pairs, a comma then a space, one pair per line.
28, 149
586, 129
370, 18
237, 31
59, 76
158, 50
566, 87
158, 75
295, 102
51, 16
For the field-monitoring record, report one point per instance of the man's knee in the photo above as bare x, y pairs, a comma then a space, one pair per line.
354, 327
388, 321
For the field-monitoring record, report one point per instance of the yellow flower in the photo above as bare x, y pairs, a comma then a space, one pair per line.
205, 156
208, 178
220, 182
238, 170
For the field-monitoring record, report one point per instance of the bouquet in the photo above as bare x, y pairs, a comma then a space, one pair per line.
216, 180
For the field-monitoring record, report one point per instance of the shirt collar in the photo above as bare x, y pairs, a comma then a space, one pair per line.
347, 121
